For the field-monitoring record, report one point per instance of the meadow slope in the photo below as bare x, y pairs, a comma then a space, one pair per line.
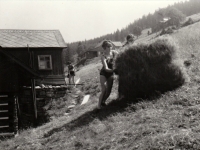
169, 122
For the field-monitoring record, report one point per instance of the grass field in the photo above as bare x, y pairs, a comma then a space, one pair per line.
169, 122
195, 17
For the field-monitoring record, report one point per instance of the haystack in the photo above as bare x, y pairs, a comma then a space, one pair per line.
146, 69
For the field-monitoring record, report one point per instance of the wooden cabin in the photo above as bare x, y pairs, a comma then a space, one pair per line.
89, 54
30, 54
29, 58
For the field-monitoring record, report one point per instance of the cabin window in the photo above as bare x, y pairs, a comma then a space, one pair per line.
45, 62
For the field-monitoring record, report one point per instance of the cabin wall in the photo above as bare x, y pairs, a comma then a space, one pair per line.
24, 55
57, 62
8, 75
91, 54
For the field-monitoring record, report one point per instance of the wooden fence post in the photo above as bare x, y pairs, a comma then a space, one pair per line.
15, 116
34, 101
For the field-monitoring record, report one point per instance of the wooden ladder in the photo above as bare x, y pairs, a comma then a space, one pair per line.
6, 116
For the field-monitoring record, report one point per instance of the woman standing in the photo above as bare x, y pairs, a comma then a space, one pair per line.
71, 72
106, 73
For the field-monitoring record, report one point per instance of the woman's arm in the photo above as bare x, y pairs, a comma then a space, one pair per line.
103, 60
114, 52
74, 69
68, 69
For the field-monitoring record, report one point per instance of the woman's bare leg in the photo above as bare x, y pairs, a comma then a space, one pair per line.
109, 88
73, 79
69, 79
103, 82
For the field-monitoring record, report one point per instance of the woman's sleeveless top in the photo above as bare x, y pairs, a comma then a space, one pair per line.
109, 62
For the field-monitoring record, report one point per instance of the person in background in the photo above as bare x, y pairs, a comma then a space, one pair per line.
71, 72
106, 73
129, 40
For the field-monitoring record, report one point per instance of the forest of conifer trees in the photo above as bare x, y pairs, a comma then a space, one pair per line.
178, 11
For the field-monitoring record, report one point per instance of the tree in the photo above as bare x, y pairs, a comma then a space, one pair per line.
137, 31
175, 15
80, 48
117, 35
174, 12
68, 55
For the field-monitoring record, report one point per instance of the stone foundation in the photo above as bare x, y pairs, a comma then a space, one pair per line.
43, 96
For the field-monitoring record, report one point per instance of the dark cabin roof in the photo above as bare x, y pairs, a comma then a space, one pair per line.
33, 38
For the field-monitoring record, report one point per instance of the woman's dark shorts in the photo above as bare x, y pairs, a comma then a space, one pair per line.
72, 73
106, 74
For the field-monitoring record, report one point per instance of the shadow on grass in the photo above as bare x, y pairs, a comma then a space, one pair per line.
115, 106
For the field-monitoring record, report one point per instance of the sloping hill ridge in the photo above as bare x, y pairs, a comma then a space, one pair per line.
169, 122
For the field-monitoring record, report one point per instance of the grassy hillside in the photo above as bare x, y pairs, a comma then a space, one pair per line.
195, 17
169, 122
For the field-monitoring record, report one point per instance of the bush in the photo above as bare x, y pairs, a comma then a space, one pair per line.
188, 22
147, 69
173, 27
163, 32
169, 31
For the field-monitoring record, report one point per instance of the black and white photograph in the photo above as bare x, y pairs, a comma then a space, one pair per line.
99, 75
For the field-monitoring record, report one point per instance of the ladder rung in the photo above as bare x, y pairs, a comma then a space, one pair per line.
3, 111
4, 118
4, 104
3, 95
4, 126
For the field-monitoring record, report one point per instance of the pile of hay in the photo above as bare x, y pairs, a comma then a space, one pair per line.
146, 69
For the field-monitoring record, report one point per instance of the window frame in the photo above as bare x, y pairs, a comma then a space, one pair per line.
50, 59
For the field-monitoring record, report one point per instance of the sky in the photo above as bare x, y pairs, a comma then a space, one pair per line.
76, 20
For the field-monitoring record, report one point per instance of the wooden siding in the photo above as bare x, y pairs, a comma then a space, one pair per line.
57, 65
12, 75
91, 54
8, 75
24, 56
